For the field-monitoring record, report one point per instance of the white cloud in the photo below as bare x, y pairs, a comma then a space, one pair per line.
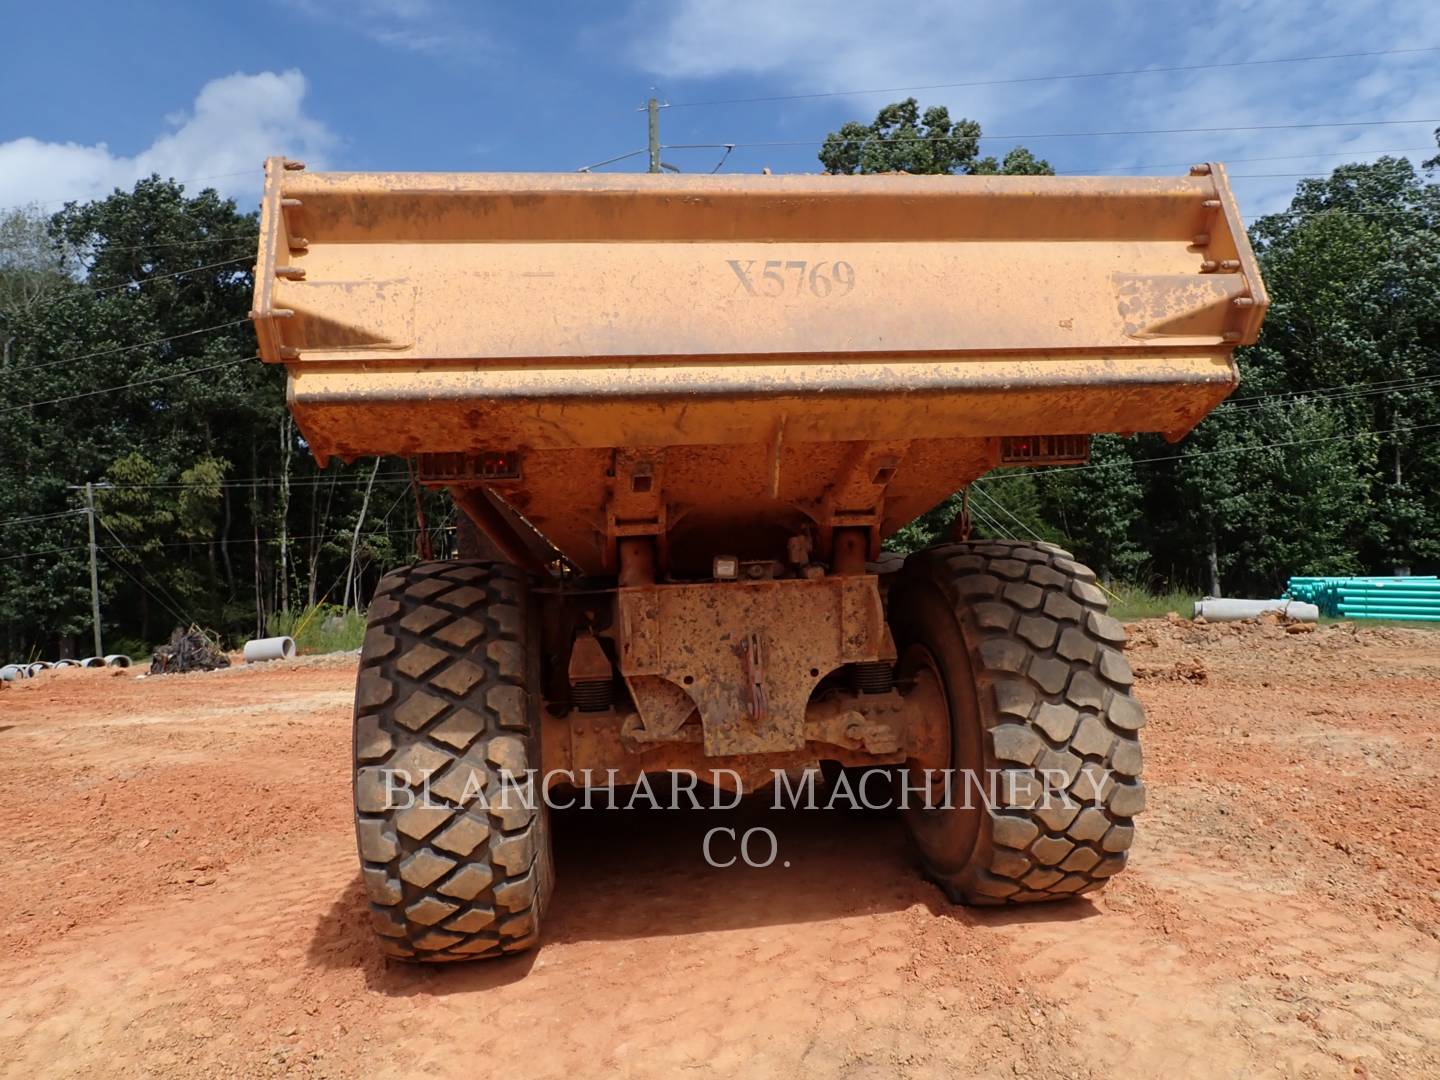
818, 46
420, 26
234, 124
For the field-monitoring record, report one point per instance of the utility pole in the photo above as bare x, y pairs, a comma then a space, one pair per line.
653, 108
94, 569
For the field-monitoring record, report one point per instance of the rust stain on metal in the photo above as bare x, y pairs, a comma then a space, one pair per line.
749, 654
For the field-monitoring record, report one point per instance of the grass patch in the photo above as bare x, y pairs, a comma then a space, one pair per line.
324, 628
1130, 602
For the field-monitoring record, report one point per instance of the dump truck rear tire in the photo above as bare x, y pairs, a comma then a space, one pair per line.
1042, 718
456, 864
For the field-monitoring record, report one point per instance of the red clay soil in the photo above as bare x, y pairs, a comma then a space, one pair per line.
181, 898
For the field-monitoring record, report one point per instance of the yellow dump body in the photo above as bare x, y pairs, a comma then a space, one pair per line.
774, 349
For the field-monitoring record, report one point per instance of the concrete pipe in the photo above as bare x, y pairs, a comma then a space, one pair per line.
1232, 610
67, 662
93, 661
39, 666
269, 648
11, 672
117, 660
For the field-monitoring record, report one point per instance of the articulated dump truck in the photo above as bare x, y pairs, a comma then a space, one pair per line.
682, 415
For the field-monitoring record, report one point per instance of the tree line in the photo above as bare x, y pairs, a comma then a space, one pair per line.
127, 362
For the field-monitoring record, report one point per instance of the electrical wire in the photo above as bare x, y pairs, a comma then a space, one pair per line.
52, 299
1098, 170
1172, 69
892, 140
1191, 455
39, 517
1102, 170
126, 571
1323, 394
231, 541
611, 161
42, 551
125, 548
126, 348
127, 386
998, 505
252, 241
985, 519
174, 274
317, 480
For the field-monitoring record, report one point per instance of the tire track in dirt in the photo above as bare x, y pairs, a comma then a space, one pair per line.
1252, 936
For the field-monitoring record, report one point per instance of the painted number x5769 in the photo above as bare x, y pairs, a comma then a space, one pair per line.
792, 277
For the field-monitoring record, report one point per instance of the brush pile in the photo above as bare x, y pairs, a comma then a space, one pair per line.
189, 650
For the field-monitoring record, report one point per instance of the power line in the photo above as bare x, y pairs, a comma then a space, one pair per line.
372, 531
1006, 511
1096, 170
1186, 456
127, 386
612, 160
42, 551
1173, 69
1327, 394
892, 140
58, 297
1271, 175
1100, 170
1344, 212
986, 520
208, 242
39, 517
127, 348
1033, 534
175, 274
158, 585
126, 571
1257, 398
235, 541
317, 480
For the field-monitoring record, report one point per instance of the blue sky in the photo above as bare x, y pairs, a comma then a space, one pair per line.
99, 92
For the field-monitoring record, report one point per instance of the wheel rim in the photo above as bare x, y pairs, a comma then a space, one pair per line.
947, 835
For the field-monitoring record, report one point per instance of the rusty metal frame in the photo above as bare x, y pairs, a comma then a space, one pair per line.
749, 654
910, 728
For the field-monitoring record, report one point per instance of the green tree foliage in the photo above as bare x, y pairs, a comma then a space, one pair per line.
901, 140
125, 296
1099, 509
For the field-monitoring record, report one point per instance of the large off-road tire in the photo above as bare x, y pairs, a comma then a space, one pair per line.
458, 868
1041, 711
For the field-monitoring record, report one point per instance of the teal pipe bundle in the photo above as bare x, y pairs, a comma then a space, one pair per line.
1414, 599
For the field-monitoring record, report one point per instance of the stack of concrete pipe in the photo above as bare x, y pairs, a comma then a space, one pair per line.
11, 672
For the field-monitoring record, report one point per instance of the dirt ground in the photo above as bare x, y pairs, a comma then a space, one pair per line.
181, 898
